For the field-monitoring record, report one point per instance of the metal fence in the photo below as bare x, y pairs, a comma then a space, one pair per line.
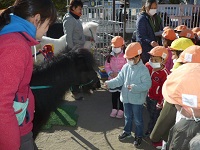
172, 15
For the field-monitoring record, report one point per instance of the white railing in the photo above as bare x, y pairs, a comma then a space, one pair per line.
172, 15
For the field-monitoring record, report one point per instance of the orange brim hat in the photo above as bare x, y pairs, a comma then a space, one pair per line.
182, 86
196, 29
165, 28
169, 34
180, 28
187, 33
132, 50
160, 51
190, 55
117, 41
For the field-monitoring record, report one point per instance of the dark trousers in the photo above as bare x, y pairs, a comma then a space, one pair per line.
116, 101
27, 142
153, 113
181, 134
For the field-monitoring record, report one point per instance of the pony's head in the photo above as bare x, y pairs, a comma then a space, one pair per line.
86, 77
90, 29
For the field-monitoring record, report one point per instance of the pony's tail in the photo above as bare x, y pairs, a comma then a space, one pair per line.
5, 16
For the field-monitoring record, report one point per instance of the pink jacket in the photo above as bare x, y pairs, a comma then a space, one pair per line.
169, 63
16, 70
115, 65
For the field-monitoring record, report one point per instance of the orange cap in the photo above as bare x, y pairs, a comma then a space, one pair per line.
117, 41
182, 86
196, 29
132, 50
169, 34
190, 55
160, 51
165, 28
180, 28
187, 33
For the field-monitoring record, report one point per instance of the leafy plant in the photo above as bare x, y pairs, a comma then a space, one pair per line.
59, 4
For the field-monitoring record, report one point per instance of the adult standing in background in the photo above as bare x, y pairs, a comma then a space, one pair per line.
72, 26
148, 26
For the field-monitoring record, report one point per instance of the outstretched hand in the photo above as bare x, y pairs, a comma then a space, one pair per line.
106, 84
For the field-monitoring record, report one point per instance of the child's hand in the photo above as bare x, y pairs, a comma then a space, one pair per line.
114, 74
106, 84
129, 87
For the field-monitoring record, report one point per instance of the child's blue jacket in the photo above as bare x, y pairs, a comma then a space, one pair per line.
138, 77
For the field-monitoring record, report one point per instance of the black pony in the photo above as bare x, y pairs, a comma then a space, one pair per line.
51, 80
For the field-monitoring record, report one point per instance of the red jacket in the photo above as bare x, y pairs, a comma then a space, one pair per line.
16, 69
158, 78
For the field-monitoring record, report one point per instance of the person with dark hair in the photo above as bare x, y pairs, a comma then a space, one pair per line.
21, 25
113, 65
168, 36
121, 15
72, 26
148, 27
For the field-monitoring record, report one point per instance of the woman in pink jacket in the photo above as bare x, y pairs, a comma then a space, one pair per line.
113, 65
21, 25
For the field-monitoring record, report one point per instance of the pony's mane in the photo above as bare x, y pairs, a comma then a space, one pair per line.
68, 55
90, 25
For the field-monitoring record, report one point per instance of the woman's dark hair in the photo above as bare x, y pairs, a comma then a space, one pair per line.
29, 8
75, 3
109, 56
148, 5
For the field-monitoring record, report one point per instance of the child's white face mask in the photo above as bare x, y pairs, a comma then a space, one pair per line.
130, 62
116, 50
174, 61
154, 65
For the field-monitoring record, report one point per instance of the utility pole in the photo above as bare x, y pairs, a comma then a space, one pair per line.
114, 17
124, 19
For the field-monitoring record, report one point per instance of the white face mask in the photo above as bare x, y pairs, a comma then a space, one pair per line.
130, 62
174, 61
116, 50
152, 12
154, 65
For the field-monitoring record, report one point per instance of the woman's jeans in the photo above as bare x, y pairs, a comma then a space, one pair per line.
134, 113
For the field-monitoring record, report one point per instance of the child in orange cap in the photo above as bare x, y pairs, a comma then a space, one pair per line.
113, 65
182, 89
198, 38
168, 36
195, 30
158, 72
187, 33
135, 81
179, 28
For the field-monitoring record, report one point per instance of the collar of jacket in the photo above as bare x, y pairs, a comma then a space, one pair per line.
75, 16
18, 24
